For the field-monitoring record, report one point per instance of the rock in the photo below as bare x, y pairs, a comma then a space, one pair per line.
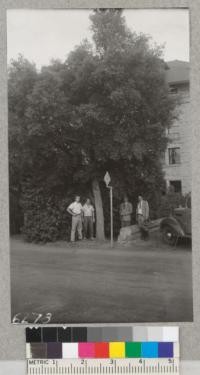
132, 232
128, 233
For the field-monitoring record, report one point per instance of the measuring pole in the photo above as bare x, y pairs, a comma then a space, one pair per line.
111, 216
107, 180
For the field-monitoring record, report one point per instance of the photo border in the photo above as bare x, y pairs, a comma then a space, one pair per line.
12, 337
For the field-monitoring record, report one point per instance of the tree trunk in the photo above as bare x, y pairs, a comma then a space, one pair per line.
100, 235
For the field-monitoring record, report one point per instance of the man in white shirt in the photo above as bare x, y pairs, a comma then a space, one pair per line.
89, 219
76, 210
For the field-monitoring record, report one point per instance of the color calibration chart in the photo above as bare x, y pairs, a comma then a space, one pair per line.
102, 350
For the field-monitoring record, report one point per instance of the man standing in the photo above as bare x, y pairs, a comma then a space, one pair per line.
89, 219
142, 216
126, 210
76, 210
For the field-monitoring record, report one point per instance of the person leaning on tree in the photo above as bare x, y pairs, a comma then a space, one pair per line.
76, 210
126, 210
88, 219
142, 217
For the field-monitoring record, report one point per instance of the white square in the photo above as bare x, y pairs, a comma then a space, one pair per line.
170, 334
28, 350
155, 334
176, 350
69, 350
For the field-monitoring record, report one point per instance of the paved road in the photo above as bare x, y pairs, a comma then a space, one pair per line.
89, 282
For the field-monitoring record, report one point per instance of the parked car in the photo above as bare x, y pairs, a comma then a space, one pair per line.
176, 226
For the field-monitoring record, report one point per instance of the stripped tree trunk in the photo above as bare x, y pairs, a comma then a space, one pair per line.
100, 234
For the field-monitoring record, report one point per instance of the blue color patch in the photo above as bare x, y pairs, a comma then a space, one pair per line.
149, 350
165, 350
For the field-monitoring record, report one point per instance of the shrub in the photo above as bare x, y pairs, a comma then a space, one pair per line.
45, 218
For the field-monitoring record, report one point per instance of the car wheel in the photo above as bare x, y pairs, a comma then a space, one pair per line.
169, 236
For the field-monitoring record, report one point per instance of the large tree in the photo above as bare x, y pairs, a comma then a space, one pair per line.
122, 105
106, 108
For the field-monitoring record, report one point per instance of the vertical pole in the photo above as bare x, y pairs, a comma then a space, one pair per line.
111, 216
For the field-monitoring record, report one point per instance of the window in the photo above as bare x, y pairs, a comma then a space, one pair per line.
173, 90
176, 186
174, 155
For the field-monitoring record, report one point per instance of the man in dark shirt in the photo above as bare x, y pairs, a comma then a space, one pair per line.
126, 210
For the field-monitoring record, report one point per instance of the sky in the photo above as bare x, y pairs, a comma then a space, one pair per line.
42, 35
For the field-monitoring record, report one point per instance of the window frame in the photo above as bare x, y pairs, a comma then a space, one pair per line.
174, 157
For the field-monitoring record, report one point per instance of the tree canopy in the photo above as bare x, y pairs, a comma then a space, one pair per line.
107, 107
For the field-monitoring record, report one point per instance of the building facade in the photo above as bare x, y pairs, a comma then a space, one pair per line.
177, 160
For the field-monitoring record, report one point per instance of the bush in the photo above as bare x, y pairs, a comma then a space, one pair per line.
45, 218
16, 214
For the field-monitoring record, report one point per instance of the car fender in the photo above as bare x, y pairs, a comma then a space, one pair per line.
173, 224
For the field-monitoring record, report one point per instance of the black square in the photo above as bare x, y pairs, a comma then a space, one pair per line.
79, 334
33, 335
64, 334
49, 334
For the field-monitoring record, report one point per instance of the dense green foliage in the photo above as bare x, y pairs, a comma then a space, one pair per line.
105, 108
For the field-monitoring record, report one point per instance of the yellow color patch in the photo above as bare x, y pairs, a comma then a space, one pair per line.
117, 350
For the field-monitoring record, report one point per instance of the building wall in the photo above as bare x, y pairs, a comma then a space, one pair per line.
180, 135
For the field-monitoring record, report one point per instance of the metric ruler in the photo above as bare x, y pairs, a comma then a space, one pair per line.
103, 366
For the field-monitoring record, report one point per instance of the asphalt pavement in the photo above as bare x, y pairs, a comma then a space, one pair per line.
89, 282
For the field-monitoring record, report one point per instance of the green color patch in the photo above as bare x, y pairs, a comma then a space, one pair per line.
133, 349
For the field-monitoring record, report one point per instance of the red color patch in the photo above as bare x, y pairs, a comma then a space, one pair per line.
101, 350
